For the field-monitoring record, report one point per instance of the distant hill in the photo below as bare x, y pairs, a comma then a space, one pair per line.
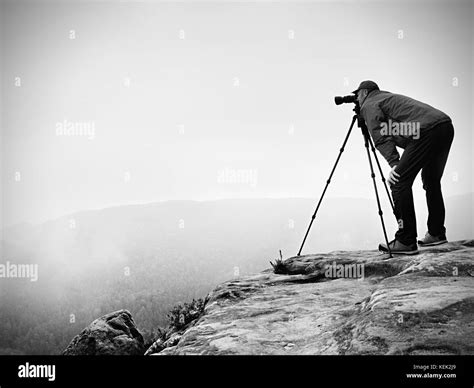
147, 258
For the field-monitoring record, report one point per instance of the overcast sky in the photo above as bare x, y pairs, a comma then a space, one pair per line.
207, 100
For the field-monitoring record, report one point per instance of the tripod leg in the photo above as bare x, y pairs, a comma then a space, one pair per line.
341, 150
372, 174
381, 174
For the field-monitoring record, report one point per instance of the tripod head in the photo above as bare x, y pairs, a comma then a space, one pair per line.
360, 119
356, 108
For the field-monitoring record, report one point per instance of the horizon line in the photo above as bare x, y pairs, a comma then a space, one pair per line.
112, 206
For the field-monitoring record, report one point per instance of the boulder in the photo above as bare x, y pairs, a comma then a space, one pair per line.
112, 334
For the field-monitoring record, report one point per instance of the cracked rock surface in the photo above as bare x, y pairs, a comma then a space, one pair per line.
421, 304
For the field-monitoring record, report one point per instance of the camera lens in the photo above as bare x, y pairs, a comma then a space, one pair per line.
345, 99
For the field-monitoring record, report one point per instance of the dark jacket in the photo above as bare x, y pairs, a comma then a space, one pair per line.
381, 108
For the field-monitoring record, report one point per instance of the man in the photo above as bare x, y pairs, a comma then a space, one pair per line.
426, 135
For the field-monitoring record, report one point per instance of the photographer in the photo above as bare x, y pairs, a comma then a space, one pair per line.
425, 134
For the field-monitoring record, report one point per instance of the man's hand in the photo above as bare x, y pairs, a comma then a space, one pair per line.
393, 176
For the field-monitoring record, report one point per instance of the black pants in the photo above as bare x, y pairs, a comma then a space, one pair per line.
429, 154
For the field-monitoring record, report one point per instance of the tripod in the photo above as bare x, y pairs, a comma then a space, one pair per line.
367, 141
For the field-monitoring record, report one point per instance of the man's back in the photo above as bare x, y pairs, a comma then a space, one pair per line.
381, 110
400, 108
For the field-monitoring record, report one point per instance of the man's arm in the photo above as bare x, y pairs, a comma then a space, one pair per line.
374, 117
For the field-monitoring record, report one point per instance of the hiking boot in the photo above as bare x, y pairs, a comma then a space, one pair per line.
429, 240
399, 248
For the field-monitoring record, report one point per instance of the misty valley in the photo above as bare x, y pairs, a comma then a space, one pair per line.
145, 259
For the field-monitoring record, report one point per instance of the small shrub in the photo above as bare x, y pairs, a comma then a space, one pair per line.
279, 266
181, 315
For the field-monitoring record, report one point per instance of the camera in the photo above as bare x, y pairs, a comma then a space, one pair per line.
345, 99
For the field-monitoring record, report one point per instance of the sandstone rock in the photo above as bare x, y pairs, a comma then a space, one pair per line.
156, 347
173, 340
421, 304
112, 334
